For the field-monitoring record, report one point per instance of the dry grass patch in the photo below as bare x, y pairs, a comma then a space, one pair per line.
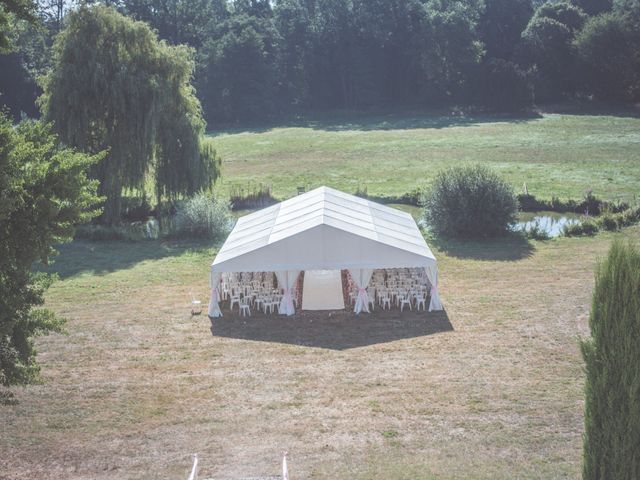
138, 385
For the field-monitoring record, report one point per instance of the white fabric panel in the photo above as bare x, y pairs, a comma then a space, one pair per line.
286, 281
349, 215
432, 275
322, 290
362, 277
214, 306
323, 248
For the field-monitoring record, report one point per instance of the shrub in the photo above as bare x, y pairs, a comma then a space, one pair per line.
612, 357
629, 216
134, 231
590, 204
586, 227
470, 201
608, 221
135, 209
98, 233
251, 196
536, 232
203, 215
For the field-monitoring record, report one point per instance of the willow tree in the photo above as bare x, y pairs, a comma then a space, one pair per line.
114, 86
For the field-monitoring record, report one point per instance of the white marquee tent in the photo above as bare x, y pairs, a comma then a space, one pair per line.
324, 229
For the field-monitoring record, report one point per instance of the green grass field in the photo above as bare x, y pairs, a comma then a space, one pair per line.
555, 154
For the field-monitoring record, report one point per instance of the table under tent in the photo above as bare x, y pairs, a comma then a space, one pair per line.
324, 250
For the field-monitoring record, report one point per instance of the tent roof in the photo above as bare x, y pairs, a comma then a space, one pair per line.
324, 229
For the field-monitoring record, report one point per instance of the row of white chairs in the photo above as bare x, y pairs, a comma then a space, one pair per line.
395, 288
253, 290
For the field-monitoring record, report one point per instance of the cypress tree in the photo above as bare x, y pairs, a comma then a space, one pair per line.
612, 356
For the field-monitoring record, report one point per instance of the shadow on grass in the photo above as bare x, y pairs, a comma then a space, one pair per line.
336, 330
593, 109
511, 247
367, 121
104, 257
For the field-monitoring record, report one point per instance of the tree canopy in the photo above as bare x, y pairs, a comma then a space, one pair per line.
9, 11
257, 58
44, 192
612, 358
114, 86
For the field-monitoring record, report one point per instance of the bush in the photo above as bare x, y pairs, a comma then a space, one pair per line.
134, 231
251, 196
612, 357
470, 202
536, 232
204, 216
608, 221
135, 209
629, 216
99, 233
586, 227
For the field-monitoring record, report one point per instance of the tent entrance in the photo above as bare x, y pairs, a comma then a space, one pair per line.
322, 290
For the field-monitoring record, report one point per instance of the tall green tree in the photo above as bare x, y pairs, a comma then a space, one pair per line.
291, 19
115, 87
549, 38
501, 24
178, 21
240, 75
452, 49
9, 11
594, 7
612, 356
44, 192
609, 46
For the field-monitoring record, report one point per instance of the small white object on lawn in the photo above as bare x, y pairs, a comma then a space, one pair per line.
196, 305
285, 468
194, 469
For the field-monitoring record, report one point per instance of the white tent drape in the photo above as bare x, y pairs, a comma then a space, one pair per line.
286, 281
362, 277
214, 307
432, 275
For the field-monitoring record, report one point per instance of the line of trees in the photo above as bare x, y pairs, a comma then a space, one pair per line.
259, 58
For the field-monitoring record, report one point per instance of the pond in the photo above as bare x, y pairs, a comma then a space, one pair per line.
550, 222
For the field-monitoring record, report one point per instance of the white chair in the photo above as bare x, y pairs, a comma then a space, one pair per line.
245, 310
233, 299
385, 301
196, 305
258, 302
404, 300
273, 304
270, 304
421, 300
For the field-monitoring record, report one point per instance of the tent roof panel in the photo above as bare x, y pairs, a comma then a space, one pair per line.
374, 233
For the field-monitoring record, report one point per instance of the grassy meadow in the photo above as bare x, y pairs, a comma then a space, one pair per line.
492, 388
555, 154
